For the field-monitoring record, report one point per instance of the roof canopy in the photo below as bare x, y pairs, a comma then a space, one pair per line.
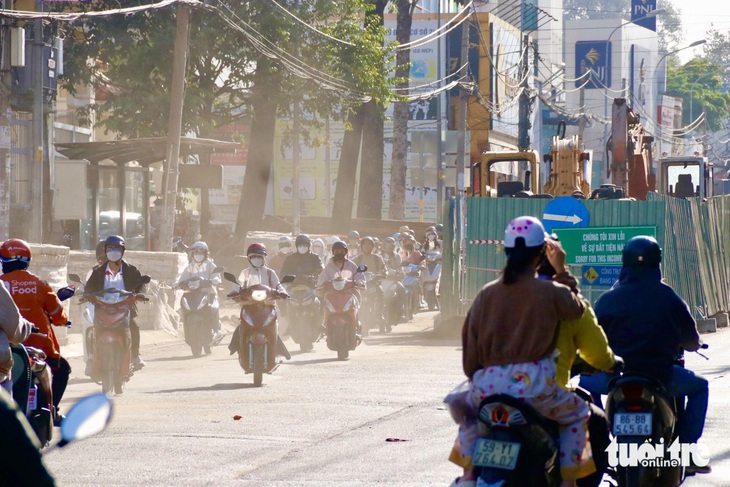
145, 151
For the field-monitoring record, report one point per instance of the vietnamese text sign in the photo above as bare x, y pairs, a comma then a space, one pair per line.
598, 245
600, 275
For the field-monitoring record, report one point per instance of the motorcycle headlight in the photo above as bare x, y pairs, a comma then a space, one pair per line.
258, 295
350, 302
330, 308
185, 304
339, 284
270, 318
246, 317
203, 302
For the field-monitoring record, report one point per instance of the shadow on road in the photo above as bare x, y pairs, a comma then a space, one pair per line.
173, 359
314, 361
214, 387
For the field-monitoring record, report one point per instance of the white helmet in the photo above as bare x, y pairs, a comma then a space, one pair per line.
527, 228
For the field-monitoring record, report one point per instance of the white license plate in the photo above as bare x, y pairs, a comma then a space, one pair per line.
632, 424
32, 398
496, 454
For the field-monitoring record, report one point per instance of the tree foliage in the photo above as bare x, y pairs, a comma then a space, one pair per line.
698, 83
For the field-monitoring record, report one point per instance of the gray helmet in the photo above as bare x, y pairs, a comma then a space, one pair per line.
200, 247
284, 242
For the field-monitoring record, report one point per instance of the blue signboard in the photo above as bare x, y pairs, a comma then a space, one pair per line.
600, 275
593, 58
565, 212
640, 9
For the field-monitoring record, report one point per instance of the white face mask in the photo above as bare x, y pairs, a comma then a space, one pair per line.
285, 250
431, 237
256, 261
198, 258
302, 249
114, 255
318, 250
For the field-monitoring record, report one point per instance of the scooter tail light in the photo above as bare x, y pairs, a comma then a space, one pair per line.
632, 391
634, 408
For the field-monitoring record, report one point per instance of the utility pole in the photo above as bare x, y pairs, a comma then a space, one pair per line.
296, 171
582, 102
174, 126
439, 114
37, 145
461, 164
523, 127
5, 131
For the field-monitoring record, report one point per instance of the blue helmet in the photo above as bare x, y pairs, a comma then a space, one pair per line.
642, 251
115, 240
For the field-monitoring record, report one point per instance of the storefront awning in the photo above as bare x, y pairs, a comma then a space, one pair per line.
145, 151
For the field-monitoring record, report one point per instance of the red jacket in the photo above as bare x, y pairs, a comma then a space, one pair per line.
37, 302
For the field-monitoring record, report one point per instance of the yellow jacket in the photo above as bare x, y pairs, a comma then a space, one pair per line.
585, 336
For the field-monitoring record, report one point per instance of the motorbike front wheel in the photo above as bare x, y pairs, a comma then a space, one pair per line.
258, 366
343, 354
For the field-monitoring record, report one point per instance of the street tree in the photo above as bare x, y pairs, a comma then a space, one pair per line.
698, 83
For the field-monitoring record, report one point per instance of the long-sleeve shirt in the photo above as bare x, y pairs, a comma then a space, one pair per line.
347, 269
204, 270
13, 329
258, 275
516, 323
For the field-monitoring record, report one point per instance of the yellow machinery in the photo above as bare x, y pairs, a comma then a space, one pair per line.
513, 173
568, 167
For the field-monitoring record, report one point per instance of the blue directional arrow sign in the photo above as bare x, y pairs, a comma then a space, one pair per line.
565, 212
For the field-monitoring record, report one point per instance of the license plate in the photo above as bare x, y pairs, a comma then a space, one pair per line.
32, 398
496, 454
632, 424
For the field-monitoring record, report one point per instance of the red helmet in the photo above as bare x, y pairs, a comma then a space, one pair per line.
15, 250
256, 249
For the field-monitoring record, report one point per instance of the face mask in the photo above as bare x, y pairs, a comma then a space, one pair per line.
302, 249
285, 250
317, 250
114, 255
198, 258
431, 237
339, 257
257, 261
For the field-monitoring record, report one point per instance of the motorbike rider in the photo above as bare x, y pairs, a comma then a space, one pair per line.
303, 262
505, 349
119, 274
340, 266
648, 324
21, 463
432, 242
353, 244
278, 259
14, 329
320, 250
38, 304
393, 260
202, 266
256, 273
375, 264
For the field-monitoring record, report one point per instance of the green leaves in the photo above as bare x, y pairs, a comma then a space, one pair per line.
698, 82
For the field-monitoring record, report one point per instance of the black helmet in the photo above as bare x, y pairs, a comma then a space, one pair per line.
115, 240
303, 239
641, 251
339, 245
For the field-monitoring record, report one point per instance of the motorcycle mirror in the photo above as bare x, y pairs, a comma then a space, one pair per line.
362, 268
89, 416
288, 278
146, 279
74, 278
230, 277
218, 269
66, 292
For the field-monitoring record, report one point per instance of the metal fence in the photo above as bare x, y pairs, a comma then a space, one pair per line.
692, 234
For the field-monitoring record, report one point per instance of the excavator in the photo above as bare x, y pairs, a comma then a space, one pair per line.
569, 170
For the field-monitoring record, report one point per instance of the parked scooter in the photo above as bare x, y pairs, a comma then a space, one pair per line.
200, 310
259, 329
412, 286
32, 382
393, 294
305, 315
112, 342
342, 303
430, 279
371, 307
639, 410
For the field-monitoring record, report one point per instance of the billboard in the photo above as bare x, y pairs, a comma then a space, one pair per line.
640, 9
506, 56
594, 58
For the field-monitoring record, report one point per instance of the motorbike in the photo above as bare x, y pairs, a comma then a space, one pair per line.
639, 410
392, 299
33, 380
430, 279
341, 320
259, 328
87, 321
371, 309
412, 287
112, 343
304, 312
200, 310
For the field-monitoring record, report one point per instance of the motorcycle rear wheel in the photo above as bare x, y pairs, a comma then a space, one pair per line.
343, 354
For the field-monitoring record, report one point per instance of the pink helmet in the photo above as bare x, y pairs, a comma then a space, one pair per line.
526, 227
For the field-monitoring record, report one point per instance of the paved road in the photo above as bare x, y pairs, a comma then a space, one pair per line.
315, 422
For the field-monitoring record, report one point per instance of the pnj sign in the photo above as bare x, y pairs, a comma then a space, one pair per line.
640, 9
593, 64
